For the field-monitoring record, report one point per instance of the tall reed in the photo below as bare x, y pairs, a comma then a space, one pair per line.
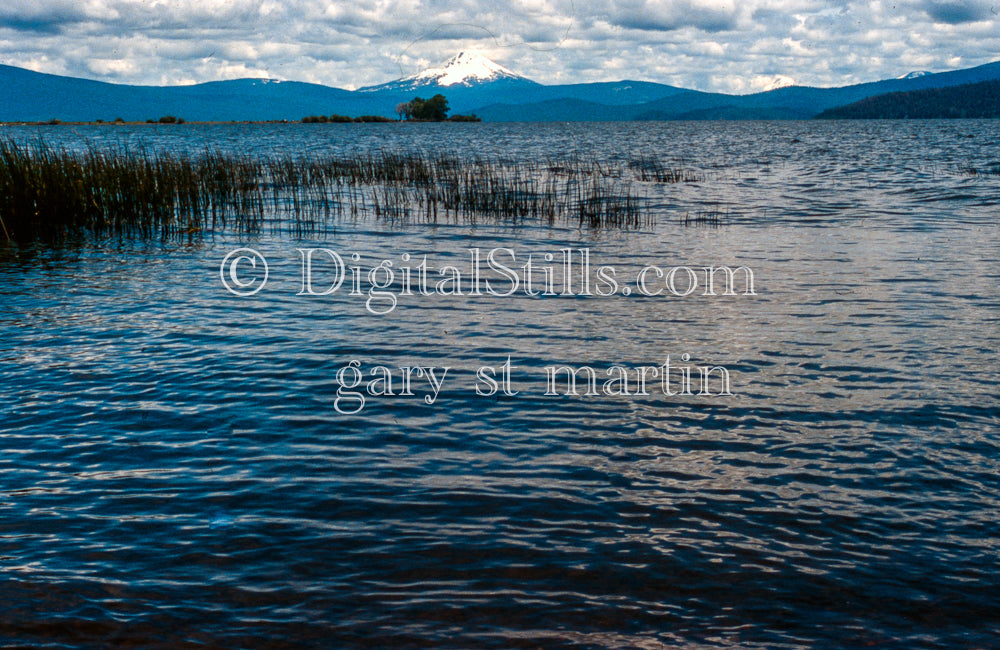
48, 193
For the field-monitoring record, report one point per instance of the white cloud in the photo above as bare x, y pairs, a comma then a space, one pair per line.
716, 45
111, 68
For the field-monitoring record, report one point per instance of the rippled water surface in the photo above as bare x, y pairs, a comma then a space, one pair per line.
176, 470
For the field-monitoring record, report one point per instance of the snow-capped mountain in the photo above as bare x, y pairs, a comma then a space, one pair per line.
465, 69
915, 75
471, 83
778, 81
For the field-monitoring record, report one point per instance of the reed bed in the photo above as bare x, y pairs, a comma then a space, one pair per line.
993, 169
712, 217
48, 193
653, 170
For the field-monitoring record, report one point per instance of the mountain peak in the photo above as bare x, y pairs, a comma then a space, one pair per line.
464, 68
915, 75
467, 69
779, 81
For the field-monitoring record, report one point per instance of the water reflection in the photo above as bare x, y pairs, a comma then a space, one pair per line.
171, 453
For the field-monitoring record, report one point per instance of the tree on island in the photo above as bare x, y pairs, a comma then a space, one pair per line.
434, 109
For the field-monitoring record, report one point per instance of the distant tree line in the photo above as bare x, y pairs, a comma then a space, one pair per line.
166, 119
434, 109
975, 100
323, 119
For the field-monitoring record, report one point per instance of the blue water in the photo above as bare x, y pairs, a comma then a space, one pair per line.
174, 469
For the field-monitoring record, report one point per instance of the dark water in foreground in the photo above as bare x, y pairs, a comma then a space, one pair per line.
174, 470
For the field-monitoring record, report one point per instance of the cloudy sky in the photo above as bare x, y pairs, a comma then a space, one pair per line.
704, 44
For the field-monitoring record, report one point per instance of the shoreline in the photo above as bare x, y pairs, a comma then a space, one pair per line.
183, 122
158, 123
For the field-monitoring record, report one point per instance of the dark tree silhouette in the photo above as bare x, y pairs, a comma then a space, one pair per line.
434, 109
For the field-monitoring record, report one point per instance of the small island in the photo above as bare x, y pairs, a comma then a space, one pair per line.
418, 109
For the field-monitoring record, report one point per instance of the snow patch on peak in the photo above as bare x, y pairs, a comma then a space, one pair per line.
466, 69
463, 68
780, 81
915, 75
765, 83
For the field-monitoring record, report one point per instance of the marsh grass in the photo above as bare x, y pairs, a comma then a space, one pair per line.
48, 193
653, 170
993, 169
712, 217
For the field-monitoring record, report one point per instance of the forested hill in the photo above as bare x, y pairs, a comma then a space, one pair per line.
975, 100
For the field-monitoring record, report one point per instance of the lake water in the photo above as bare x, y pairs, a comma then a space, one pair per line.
176, 469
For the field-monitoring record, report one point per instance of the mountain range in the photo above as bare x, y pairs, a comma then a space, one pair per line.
976, 100
471, 82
